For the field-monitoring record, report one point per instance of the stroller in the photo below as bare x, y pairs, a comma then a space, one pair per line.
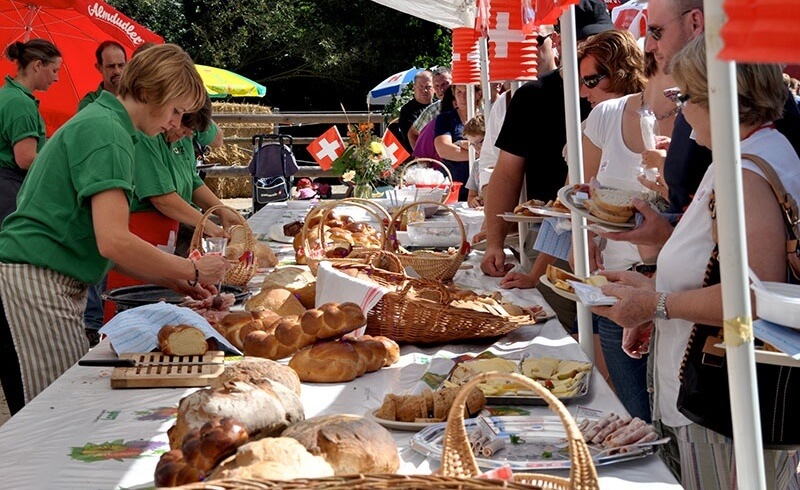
272, 167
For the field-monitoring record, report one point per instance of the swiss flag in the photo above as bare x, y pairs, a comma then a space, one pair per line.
327, 148
761, 31
394, 150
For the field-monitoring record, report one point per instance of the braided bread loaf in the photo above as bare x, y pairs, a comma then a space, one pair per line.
341, 361
236, 325
289, 336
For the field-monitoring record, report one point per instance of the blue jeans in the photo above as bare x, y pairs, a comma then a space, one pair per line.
93, 315
628, 375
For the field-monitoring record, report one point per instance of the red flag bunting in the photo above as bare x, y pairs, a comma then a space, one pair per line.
762, 31
394, 150
327, 148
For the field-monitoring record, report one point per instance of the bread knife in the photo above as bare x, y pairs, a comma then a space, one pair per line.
135, 363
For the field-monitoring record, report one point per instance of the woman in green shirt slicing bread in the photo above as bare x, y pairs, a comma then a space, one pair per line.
71, 223
22, 131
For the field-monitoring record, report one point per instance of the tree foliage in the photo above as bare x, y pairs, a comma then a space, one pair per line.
311, 54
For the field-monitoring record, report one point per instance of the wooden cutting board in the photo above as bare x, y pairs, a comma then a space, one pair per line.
176, 374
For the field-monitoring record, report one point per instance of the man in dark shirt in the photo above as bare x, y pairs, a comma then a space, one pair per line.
423, 96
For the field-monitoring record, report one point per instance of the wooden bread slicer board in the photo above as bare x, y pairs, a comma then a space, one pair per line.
177, 374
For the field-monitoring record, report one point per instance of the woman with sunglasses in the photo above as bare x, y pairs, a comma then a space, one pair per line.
675, 299
71, 223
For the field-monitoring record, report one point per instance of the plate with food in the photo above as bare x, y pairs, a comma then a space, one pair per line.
520, 218
397, 424
611, 208
540, 442
553, 209
417, 411
556, 279
566, 379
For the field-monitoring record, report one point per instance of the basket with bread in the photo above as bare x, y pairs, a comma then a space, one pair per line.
419, 311
331, 236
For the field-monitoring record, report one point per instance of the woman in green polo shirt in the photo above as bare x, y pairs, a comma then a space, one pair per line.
167, 189
21, 126
71, 223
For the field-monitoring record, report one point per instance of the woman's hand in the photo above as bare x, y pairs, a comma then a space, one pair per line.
213, 230
659, 185
635, 306
211, 268
518, 280
630, 278
475, 202
636, 340
479, 237
195, 292
228, 218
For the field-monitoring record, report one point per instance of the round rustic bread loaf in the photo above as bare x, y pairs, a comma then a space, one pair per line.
349, 443
272, 458
254, 370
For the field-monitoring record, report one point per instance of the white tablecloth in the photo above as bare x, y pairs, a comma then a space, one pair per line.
81, 434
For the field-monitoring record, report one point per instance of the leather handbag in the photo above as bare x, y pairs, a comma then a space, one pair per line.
703, 396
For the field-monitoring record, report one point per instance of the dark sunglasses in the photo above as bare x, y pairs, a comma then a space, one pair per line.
541, 39
657, 31
592, 80
674, 94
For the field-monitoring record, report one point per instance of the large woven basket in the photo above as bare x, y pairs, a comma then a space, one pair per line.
358, 255
435, 266
239, 273
404, 318
459, 468
458, 459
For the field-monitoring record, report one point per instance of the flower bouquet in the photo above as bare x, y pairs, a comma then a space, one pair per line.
364, 161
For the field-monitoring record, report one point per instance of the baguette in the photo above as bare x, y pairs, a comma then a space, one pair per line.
182, 340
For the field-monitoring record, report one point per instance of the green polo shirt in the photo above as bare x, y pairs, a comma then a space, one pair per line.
52, 226
162, 168
90, 97
19, 119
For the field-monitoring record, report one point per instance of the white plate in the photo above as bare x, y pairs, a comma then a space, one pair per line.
565, 195
564, 294
276, 234
544, 211
397, 425
520, 218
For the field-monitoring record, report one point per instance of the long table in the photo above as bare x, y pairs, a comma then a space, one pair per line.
79, 433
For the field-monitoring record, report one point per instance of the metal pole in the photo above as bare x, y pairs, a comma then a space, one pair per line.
737, 313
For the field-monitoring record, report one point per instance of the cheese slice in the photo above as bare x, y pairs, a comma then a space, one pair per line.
539, 367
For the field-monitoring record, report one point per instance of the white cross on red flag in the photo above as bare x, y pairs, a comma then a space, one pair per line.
327, 148
394, 150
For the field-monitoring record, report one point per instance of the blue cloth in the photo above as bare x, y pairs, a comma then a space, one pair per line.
552, 241
628, 375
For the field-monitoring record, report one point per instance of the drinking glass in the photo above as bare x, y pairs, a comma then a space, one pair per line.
214, 245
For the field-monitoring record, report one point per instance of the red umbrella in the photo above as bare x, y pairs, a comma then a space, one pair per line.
76, 27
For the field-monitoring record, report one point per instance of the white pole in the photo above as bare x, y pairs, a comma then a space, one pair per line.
737, 312
483, 49
569, 63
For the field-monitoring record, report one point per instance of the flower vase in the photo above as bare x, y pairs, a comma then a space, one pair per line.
364, 191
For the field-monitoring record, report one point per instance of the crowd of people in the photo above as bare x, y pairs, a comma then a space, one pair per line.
103, 195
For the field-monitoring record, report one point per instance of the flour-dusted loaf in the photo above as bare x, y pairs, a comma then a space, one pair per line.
182, 340
264, 410
349, 443
297, 280
272, 458
254, 370
279, 300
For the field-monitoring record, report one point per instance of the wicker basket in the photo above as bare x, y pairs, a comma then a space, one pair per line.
421, 321
239, 273
358, 255
448, 185
459, 467
458, 460
435, 266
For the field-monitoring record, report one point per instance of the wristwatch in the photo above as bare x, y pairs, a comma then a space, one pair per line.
661, 307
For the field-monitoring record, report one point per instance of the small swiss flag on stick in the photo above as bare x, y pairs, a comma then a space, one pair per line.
327, 148
394, 150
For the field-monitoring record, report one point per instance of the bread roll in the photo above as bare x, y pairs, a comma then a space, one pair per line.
297, 280
372, 352
392, 349
182, 340
279, 300
327, 362
273, 458
264, 410
349, 443
254, 370
332, 320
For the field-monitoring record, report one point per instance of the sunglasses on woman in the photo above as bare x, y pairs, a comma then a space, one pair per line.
591, 81
674, 94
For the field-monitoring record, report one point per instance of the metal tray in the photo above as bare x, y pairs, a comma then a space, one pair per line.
146, 294
526, 456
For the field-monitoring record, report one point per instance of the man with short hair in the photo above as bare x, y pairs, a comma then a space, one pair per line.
442, 78
423, 96
111, 59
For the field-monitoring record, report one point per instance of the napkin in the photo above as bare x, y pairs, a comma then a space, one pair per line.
136, 330
591, 295
336, 286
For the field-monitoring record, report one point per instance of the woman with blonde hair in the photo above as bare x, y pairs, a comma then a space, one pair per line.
685, 290
22, 131
71, 223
